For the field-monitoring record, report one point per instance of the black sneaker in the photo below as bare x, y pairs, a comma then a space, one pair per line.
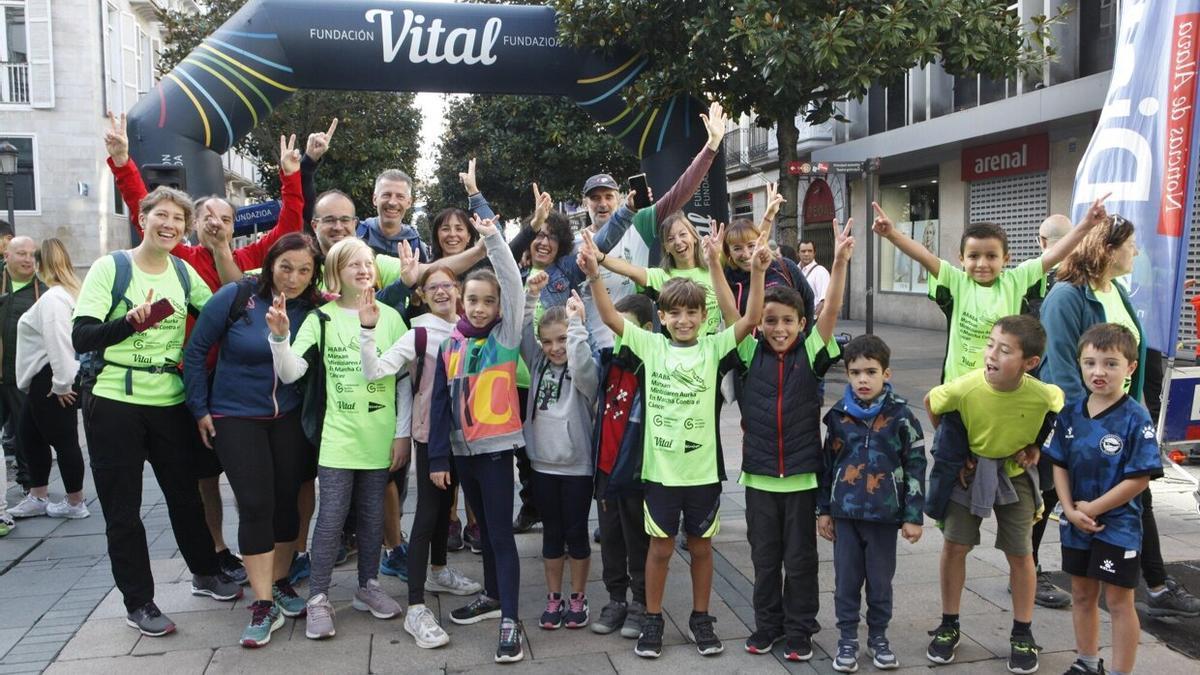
1173, 601
525, 521
649, 644
1023, 656
945, 641
1048, 595
552, 616
150, 621
700, 631
762, 642
509, 648
477, 610
798, 648
232, 567
216, 586
1081, 668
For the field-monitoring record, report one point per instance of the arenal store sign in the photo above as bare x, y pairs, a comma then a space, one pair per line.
1008, 158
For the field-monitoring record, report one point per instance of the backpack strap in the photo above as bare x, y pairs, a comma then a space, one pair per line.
420, 343
185, 282
237, 310
122, 277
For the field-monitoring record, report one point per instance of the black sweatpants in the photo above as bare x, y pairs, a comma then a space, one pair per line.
123, 437
12, 402
264, 460
623, 544
487, 482
427, 540
863, 552
782, 530
564, 502
45, 423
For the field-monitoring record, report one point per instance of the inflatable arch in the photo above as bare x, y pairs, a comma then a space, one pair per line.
272, 48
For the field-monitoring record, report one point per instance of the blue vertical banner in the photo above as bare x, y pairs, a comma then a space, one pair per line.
1144, 152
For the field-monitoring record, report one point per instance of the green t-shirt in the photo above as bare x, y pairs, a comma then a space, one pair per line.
797, 483
680, 439
998, 423
160, 345
1115, 312
387, 270
813, 348
657, 276
975, 309
360, 416
18, 285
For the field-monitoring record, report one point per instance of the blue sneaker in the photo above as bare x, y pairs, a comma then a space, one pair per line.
300, 569
265, 619
395, 563
286, 598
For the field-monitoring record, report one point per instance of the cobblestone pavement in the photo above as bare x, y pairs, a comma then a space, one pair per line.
61, 613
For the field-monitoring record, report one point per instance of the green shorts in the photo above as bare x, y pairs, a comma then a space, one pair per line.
1014, 522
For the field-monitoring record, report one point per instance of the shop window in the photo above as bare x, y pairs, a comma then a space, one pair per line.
913, 206
25, 181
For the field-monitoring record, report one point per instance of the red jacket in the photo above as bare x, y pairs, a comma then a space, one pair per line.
249, 257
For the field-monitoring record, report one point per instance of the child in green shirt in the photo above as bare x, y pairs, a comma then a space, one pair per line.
974, 297
680, 457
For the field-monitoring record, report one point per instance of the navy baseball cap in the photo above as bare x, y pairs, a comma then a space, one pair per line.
600, 180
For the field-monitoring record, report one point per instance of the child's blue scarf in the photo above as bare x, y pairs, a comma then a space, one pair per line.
854, 405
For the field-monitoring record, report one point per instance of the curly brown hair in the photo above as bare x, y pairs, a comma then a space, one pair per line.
1089, 262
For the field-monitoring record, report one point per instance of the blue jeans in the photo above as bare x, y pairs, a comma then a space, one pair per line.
487, 481
863, 552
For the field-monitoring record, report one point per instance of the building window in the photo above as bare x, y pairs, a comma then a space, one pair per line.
25, 182
14, 54
1097, 36
913, 204
743, 206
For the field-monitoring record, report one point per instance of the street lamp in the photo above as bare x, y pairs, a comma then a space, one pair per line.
8, 169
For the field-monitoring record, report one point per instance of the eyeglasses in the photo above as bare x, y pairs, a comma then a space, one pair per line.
346, 221
443, 286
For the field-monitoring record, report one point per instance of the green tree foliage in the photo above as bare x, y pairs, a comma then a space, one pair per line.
521, 139
376, 130
783, 58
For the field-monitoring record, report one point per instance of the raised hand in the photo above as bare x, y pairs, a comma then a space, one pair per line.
468, 178
575, 308
410, 267
762, 253
116, 139
318, 143
486, 227
289, 156
774, 202
277, 318
711, 243
536, 282
631, 200
883, 226
140, 313
843, 246
1096, 213
586, 258
714, 123
368, 310
542, 205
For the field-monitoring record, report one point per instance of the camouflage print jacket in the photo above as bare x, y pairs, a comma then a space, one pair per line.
874, 466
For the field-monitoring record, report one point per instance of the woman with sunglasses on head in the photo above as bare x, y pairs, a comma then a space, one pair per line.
46, 369
252, 421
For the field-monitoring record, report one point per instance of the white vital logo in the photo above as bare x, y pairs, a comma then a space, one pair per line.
458, 47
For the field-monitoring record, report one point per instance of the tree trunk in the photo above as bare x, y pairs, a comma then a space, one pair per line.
787, 222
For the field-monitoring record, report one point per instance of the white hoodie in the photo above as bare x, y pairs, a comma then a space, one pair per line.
44, 337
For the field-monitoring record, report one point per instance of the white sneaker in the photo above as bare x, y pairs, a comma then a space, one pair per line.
450, 580
65, 509
423, 626
29, 507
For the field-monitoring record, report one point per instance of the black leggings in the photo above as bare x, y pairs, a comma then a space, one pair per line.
430, 528
264, 460
564, 503
45, 423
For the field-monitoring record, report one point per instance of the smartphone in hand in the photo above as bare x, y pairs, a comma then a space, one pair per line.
641, 187
160, 310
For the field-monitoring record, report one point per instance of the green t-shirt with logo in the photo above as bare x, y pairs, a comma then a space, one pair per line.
974, 309
680, 439
657, 276
158, 346
1115, 312
360, 416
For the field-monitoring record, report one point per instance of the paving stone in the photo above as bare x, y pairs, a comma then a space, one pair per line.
685, 660
70, 547
29, 667
25, 610
341, 654
176, 663
24, 580
101, 638
9, 637
194, 630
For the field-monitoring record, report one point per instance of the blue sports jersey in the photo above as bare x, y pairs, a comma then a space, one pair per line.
1098, 453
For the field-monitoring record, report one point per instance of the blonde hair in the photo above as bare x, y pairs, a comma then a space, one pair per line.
163, 193
338, 257
54, 266
668, 260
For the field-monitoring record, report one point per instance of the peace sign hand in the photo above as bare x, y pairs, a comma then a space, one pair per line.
883, 226
774, 201
843, 246
586, 258
575, 307
318, 143
468, 178
277, 318
762, 253
711, 243
542, 205
139, 314
368, 310
116, 139
289, 156
486, 227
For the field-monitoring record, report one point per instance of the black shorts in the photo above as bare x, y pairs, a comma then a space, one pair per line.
1103, 562
698, 504
205, 463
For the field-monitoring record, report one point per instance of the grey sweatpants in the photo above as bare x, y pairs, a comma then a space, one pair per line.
336, 488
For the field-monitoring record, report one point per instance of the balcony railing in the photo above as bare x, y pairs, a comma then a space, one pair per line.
14, 82
759, 145
735, 149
